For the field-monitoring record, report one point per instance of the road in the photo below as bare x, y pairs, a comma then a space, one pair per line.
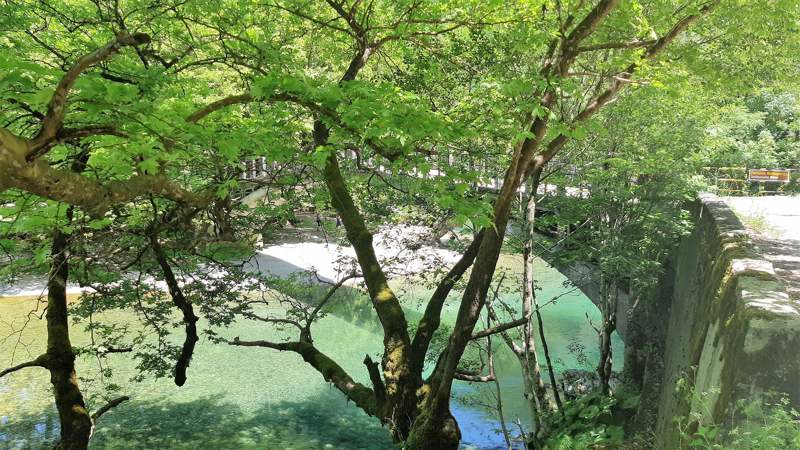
774, 225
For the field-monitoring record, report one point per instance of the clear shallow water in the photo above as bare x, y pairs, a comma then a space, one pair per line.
239, 398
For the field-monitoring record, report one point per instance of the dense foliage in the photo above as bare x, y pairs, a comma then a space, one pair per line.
131, 131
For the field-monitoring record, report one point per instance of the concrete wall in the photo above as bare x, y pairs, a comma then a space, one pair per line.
732, 331
586, 277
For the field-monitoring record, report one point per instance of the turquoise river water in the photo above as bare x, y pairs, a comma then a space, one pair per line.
243, 398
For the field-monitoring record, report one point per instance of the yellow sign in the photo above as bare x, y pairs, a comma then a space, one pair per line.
777, 175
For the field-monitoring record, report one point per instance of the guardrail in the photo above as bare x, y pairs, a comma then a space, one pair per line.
750, 181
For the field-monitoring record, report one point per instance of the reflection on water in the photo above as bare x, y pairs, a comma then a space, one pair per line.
259, 398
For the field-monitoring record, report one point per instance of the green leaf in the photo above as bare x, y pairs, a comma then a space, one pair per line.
590, 412
222, 191
149, 166
522, 135
99, 224
320, 156
8, 244
229, 149
41, 254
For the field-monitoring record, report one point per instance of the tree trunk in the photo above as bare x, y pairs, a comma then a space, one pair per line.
604, 366
608, 326
497, 391
221, 215
434, 430
76, 423
184, 305
533, 377
436, 415
403, 386
529, 392
550, 370
435, 427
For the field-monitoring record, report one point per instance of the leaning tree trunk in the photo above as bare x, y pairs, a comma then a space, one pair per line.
75, 420
534, 389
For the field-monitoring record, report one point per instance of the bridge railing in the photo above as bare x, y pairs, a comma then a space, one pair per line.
258, 169
743, 181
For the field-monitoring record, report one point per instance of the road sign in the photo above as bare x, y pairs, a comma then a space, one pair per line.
774, 175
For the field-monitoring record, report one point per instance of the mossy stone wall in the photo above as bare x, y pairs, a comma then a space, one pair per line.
733, 332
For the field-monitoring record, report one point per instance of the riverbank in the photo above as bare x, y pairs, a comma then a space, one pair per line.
404, 251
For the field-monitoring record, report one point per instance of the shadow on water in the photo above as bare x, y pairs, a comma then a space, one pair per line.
355, 307
350, 303
214, 423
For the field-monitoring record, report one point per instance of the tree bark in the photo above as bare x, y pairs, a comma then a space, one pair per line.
184, 305
533, 375
535, 178
550, 370
497, 391
609, 311
401, 383
75, 420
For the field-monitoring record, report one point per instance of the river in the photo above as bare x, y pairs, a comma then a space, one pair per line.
241, 398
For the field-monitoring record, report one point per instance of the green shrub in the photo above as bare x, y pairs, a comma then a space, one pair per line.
593, 421
769, 423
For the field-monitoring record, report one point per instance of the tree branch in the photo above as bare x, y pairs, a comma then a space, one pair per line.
509, 342
328, 113
364, 397
465, 376
620, 81
433, 310
21, 168
109, 406
615, 45
349, 18
184, 305
306, 330
499, 328
217, 105
96, 199
69, 134
27, 108
322, 23
589, 24
41, 361
375, 377
56, 108
108, 350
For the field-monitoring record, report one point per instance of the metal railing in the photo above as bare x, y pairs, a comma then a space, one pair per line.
259, 169
743, 181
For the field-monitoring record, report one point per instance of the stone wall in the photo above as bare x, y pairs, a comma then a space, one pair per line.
586, 277
732, 331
